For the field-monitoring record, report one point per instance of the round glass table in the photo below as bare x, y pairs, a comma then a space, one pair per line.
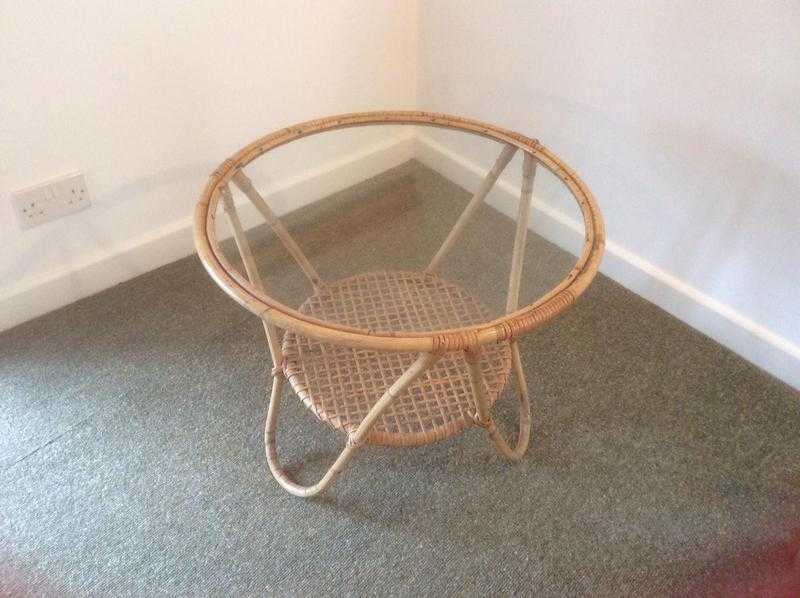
379, 328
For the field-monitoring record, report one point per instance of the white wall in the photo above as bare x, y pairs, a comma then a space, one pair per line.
684, 119
681, 116
147, 97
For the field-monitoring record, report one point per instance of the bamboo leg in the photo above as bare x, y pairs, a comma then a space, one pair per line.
484, 417
246, 185
488, 182
523, 216
355, 439
251, 268
476, 375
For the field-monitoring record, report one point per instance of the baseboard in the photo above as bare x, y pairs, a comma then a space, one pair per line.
753, 341
108, 267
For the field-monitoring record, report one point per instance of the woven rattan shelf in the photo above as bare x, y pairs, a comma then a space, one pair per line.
395, 357
340, 384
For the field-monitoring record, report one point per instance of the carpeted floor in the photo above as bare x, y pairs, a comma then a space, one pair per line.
131, 455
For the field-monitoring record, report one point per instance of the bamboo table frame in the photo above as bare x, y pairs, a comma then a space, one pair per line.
248, 288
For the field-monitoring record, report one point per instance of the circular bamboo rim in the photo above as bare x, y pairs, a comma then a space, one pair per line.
500, 329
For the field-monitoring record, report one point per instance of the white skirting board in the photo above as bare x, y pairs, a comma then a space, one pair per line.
110, 266
753, 341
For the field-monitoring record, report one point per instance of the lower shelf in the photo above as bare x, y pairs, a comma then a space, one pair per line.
340, 385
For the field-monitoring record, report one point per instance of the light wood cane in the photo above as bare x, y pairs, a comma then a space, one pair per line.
472, 207
354, 440
246, 185
483, 415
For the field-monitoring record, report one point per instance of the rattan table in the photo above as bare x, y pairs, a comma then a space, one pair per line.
395, 357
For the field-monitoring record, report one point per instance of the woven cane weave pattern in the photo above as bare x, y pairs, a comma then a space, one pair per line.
340, 384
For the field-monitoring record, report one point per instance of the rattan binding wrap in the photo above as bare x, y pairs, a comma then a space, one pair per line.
340, 385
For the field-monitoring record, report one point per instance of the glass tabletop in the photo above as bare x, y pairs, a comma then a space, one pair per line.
396, 229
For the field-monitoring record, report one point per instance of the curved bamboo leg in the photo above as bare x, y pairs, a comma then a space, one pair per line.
354, 440
484, 416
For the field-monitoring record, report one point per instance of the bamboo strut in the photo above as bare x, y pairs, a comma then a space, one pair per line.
241, 180
486, 185
483, 416
523, 215
354, 440
251, 268
524, 434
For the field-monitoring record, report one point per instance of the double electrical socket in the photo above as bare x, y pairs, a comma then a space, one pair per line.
51, 200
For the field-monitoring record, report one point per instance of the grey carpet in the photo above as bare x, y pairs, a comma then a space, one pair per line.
131, 456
